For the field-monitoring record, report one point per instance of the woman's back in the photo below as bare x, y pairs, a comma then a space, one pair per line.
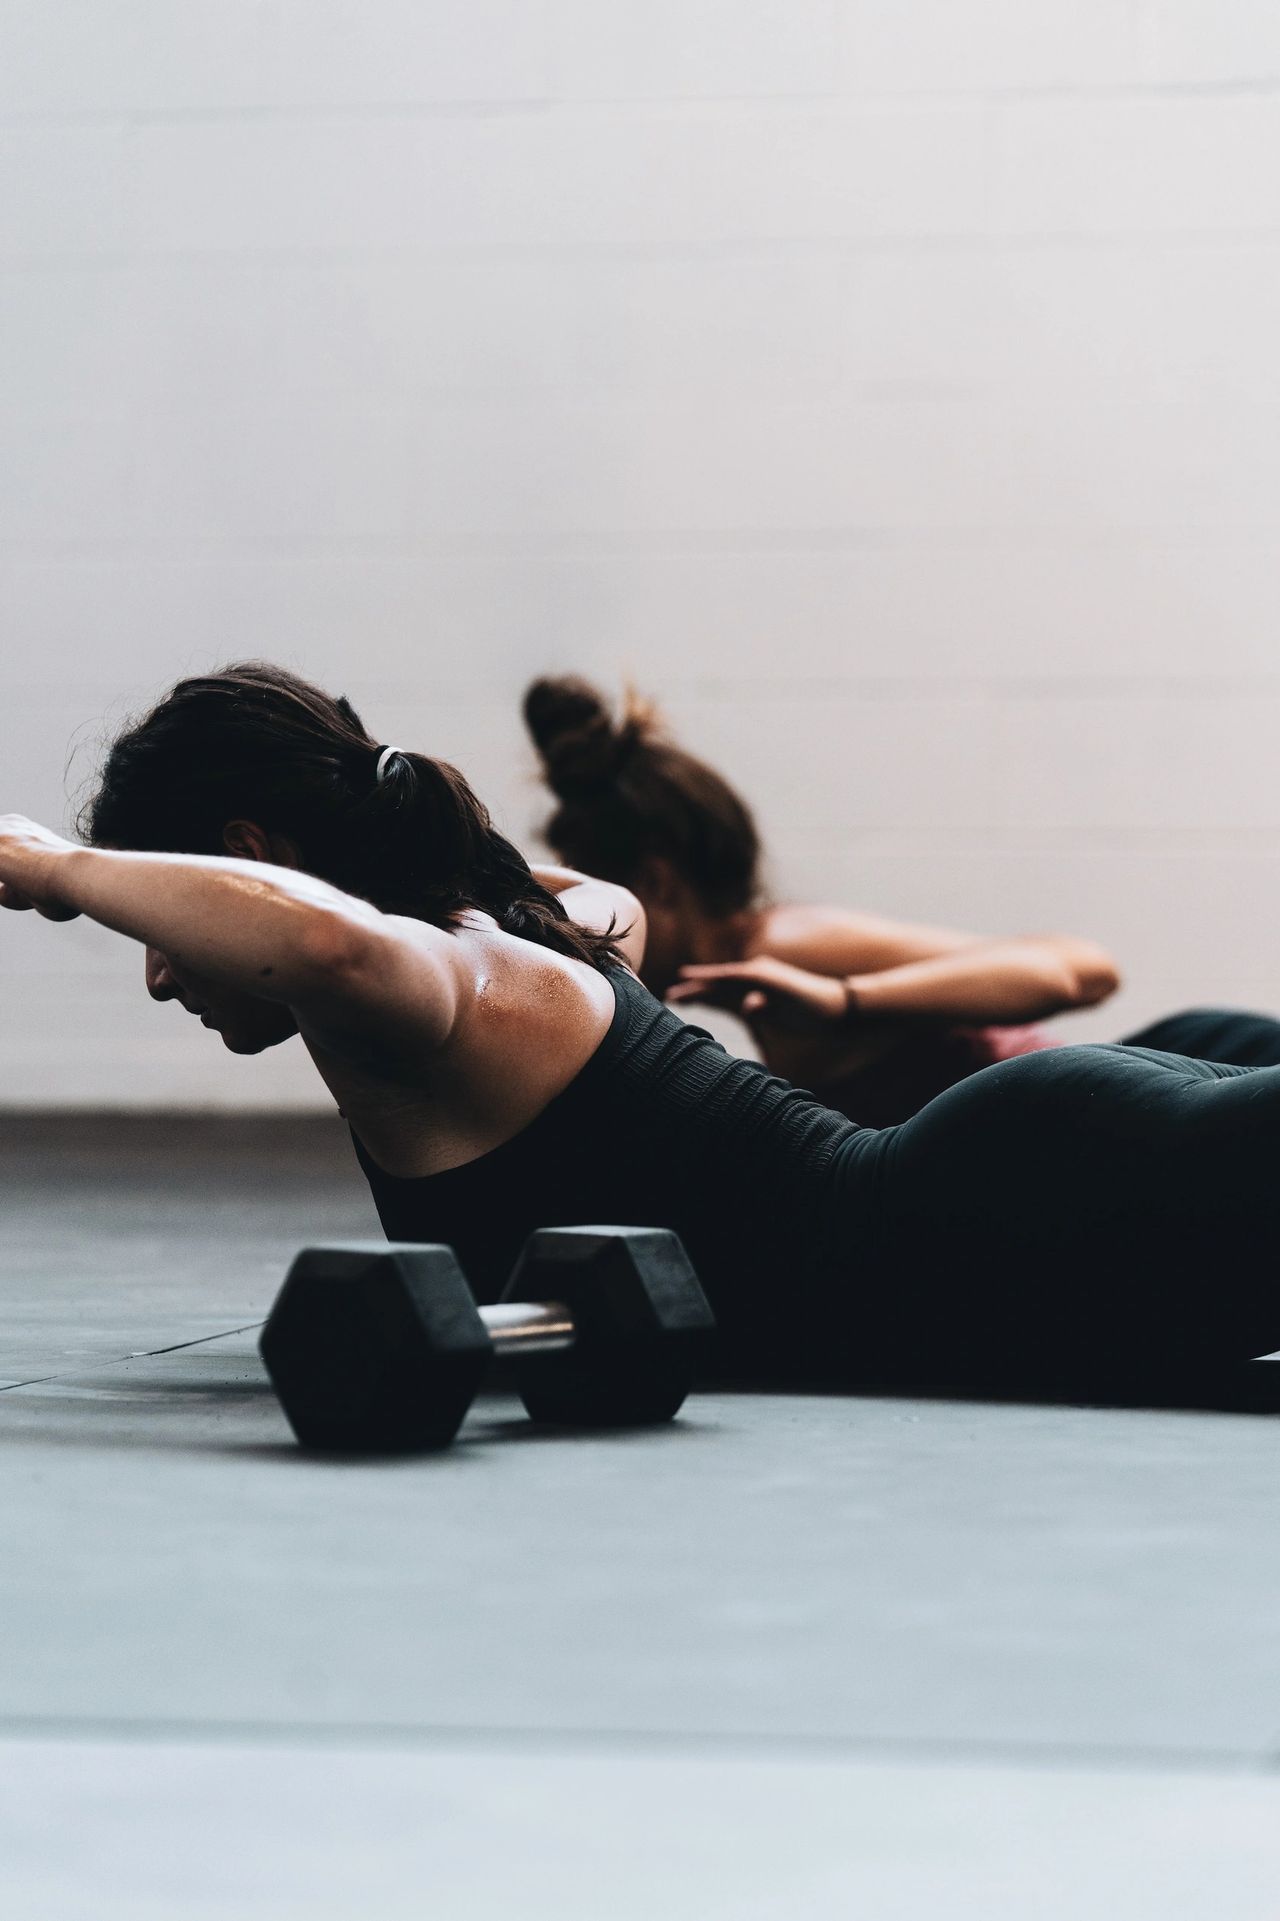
663, 1127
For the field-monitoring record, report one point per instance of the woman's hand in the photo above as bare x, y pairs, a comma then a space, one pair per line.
32, 868
766, 990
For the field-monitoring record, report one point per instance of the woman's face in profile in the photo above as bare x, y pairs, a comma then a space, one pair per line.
247, 1024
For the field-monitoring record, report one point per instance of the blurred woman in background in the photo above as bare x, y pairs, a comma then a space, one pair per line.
876, 1016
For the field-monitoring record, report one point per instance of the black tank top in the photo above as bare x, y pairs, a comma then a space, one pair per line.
773, 1195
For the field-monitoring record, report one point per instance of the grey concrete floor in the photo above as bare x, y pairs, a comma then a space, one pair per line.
795, 1655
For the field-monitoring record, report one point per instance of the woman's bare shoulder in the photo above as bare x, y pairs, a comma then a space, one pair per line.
528, 1020
519, 983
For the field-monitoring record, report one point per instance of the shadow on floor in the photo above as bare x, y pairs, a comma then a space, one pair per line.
1252, 1388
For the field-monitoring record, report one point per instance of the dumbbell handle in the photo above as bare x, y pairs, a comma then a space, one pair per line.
529, 1327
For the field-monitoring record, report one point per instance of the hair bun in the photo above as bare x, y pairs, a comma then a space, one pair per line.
574, 732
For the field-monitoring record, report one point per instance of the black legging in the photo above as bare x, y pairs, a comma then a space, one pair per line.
1214, 1034
1087, 1211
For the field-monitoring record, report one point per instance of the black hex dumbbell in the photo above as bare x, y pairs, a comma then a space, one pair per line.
377, 1346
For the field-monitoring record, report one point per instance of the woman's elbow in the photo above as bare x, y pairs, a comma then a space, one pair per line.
1093, 974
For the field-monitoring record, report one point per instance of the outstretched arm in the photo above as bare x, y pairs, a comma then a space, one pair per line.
264, 930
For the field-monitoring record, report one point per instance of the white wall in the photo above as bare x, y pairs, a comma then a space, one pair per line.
891, 385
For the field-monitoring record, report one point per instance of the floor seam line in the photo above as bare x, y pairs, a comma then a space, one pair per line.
758, 1746
139, 1354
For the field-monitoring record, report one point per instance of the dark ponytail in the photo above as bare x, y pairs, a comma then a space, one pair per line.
255, 742
626, 792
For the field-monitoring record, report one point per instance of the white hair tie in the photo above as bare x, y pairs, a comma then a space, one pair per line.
387, 754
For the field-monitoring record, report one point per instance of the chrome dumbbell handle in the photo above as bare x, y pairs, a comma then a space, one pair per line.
529, 1327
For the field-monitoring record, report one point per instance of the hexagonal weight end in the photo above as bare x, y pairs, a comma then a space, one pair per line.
642, 1323
375, 1346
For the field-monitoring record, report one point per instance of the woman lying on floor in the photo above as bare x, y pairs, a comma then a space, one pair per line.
876, 1016
1078, 1211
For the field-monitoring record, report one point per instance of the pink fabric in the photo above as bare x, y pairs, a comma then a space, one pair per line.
1006, 1043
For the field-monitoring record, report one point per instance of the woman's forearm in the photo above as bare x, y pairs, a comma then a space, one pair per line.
1012, 981
265, 929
